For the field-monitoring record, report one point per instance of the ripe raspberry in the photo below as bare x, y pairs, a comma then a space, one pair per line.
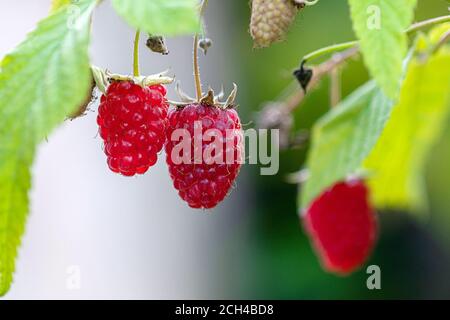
133, 122
342, 226
206, 183
271, 20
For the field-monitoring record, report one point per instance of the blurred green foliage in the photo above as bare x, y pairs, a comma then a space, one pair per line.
413, 257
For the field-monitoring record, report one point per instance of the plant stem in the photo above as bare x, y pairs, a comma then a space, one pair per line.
274, 115
203, 7
331, 49
427, 23
202, 21
294, 99
445, 38
198, 82
136, 72
335, 87
346, 45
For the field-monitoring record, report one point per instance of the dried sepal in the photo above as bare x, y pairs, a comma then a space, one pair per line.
104, 77
185, 98
208, 99
232, 97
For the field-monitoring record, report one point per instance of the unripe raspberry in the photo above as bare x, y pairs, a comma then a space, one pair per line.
271, 20
203, 183
343, 227
133, 122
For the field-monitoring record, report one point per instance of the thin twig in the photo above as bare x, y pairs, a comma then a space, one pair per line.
318, 73
444, 39
345, 45
330, 49
335, 87
427, 23
279, 114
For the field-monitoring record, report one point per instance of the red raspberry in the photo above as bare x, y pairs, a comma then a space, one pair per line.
343, 226
133, 121
206, 183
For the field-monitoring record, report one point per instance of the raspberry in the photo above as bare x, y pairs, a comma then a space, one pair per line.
271, 20
206, 183
132, 122
342, 226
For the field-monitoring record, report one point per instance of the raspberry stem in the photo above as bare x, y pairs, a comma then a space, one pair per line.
330, 49
136, 72
203, 7
444, 39
427, 23
346, 45
335, 87
198, 82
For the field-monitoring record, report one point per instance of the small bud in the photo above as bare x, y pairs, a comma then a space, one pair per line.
157, 44
205, 44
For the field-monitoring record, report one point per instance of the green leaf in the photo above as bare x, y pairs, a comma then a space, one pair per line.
161, 17
380, 25
42, 81
57, 4
397, 163
343, 138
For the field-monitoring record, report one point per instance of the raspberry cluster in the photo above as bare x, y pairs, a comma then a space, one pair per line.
204, 182
343, 226
133, 122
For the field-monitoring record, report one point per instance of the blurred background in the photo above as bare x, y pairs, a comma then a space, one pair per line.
92, 234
